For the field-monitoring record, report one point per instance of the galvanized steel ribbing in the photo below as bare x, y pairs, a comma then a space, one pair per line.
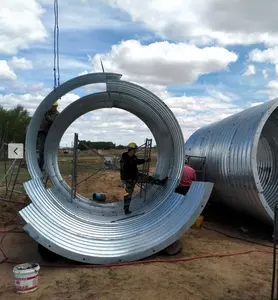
241, 155
84, 231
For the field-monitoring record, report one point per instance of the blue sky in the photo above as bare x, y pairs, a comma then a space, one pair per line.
192, 54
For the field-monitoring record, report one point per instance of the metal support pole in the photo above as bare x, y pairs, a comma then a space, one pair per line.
11, 175
74, 168
15, 179
12, 180
147, 164
6, 174
146, 167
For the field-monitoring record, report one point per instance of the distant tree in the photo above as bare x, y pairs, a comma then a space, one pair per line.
121, 147
13, 125
85, 145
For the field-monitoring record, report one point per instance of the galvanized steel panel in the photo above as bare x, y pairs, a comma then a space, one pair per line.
241, 159
100, 233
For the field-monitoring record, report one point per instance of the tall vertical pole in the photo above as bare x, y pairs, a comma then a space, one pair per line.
74, 167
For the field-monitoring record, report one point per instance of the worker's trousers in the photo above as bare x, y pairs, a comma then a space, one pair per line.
129, 186
182, 190
41, 142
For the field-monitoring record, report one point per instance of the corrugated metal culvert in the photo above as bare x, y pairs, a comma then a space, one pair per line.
241, 159
90, 232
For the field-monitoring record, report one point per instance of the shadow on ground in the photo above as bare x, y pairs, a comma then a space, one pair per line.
245, 226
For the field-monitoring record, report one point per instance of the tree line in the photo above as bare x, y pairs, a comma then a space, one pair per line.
86, 145
13, 126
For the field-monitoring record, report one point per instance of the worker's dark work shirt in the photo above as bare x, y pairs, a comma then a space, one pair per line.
129, 170
47, 121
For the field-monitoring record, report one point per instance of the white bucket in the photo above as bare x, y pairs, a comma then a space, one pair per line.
26, 277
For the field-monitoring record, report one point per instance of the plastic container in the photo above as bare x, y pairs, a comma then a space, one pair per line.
26, 277
198, 223
99, 197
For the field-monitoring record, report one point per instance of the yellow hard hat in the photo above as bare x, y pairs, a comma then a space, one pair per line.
55, 103
132, 145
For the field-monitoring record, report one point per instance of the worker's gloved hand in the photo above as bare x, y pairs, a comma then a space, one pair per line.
148, 160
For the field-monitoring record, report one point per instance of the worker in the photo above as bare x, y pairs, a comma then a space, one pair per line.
46, 123
130, 174
188, 176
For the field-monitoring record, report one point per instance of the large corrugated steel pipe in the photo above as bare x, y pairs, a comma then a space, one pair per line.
92, 232
241, 159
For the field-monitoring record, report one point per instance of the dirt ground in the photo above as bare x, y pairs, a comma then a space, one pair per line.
246, 276
107, 182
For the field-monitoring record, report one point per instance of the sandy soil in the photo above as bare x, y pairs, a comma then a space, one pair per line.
107, 182
236, 277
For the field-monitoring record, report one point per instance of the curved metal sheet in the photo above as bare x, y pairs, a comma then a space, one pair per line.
241, 159
123, 239
101, 233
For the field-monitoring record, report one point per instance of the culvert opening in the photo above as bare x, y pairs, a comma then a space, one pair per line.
267, 157
103, 139
152, 112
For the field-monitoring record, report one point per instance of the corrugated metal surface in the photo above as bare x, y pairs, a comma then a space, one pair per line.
241, 157
110, 240
101, 233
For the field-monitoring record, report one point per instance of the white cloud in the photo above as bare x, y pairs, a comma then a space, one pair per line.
6, 73
19, 86
113, 125
78, 15
20, 63
163, 63
45, 61
30, 101
20, 25
120, 126
203, 21
265, 74
271, 89
83, 73
200, 104
256, 103
154, 65
264, 56
222, 95
251, 70
273, 84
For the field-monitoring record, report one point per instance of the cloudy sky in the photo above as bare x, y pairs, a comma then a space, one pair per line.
207, 59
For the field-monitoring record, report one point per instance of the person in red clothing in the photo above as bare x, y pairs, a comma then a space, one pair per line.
188, 176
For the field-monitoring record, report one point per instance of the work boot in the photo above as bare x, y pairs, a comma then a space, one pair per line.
127, 211
164, 180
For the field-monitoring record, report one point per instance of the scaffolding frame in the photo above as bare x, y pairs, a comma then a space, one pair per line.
145, 148
10, 178
146, 167
74, 167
